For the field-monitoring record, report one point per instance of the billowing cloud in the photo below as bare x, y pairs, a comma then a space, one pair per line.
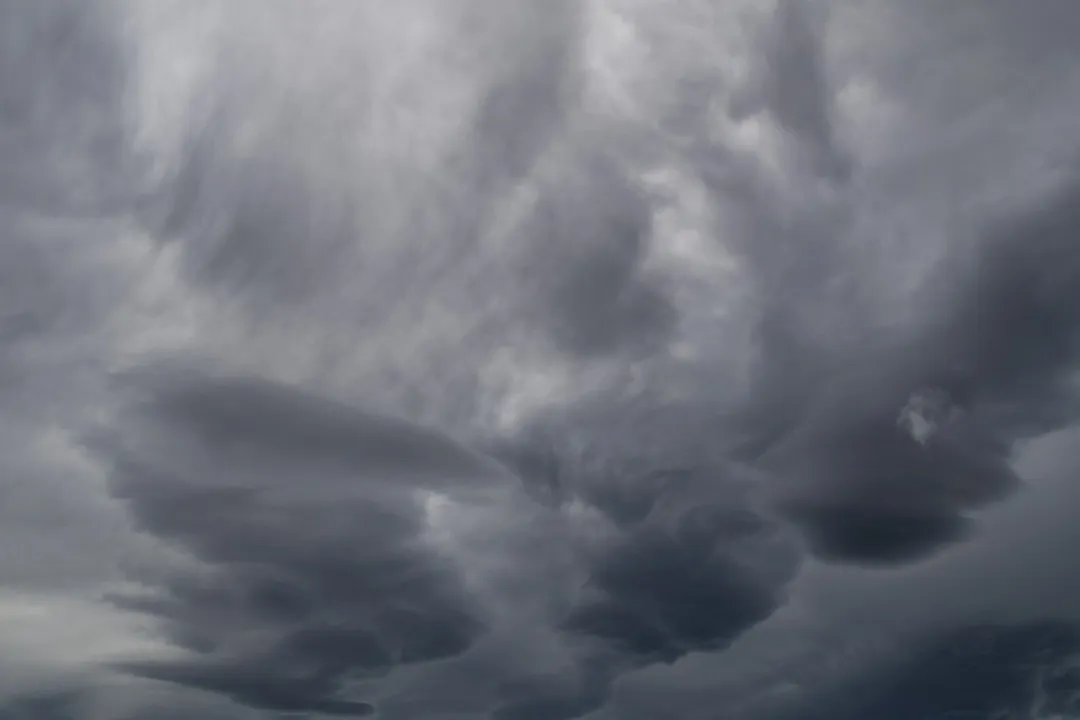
307, 520
318, 560
587, 360
883, 434
891, 456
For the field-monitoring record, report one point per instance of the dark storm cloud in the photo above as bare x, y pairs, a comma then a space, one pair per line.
888, 462
255, 686
883, 438
699, 567
1015, 335
559, 693
272, 421
47, 706
657, 598
330, 561
130, 700
863, 482
692, 562
978, 672
302, 515
300, 512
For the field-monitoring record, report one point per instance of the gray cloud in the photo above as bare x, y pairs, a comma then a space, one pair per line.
589, 235
979, 671
794, 88
693, 562
884, 436
742, 300
991, 369
59, 108
305, 516
658, 599
47, 707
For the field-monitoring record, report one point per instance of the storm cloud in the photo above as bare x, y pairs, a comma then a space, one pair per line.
979, 671
503, 359
307, 520
314, 532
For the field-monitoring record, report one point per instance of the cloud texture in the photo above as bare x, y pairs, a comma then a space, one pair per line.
475, 359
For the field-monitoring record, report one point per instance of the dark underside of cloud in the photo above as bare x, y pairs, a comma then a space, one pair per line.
314, 576
313, 571
887, 461
299, 511
977, 672
659, 598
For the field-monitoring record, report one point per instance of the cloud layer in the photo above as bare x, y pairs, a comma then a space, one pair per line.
472, 359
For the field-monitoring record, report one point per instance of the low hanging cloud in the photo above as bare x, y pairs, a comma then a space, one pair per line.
976, 671
883, 439
305, 521
647, 331
315, 565
657, 598
890, 458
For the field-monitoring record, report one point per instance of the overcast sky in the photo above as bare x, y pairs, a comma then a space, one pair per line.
539, 359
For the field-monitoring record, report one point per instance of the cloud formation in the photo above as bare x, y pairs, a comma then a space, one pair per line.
980, 671
308, 520
465, 359
316, 535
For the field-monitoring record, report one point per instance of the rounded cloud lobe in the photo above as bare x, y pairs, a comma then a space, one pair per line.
314, 565
304, 518
636, 325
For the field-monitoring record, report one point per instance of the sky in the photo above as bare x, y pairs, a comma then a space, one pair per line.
521, 360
